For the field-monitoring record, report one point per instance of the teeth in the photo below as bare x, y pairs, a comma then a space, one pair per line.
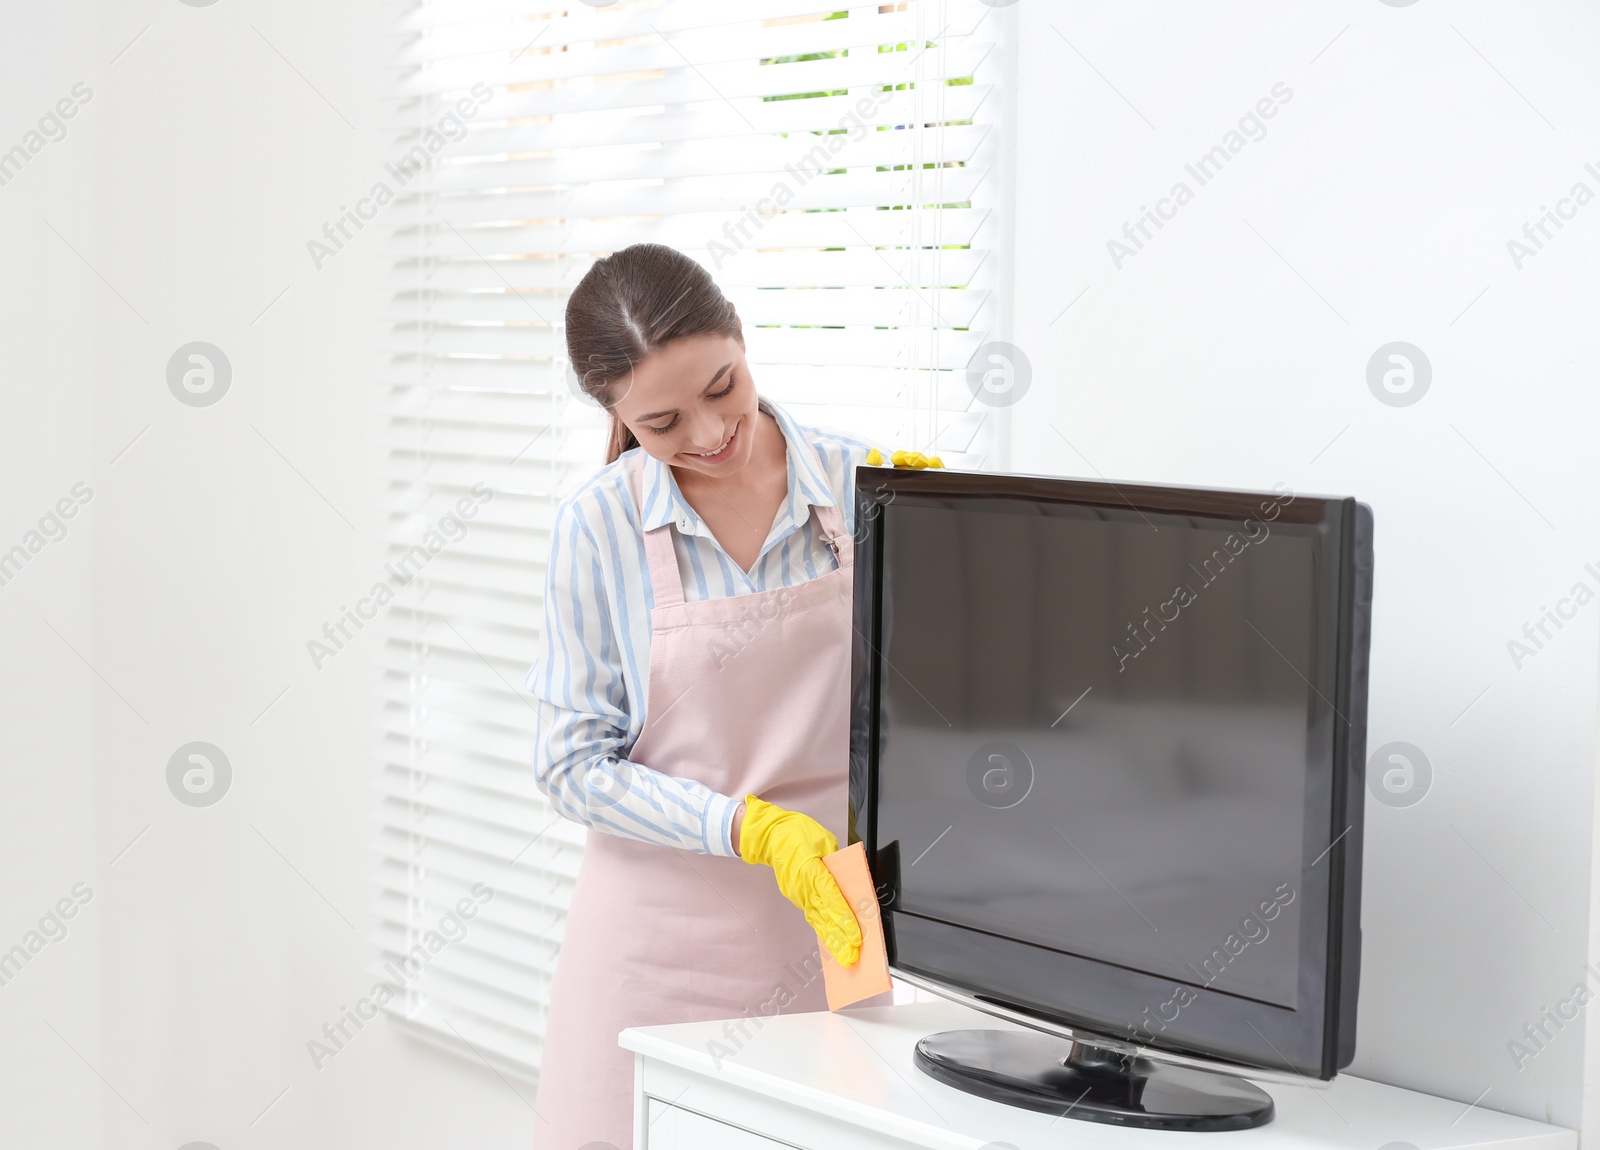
718, 451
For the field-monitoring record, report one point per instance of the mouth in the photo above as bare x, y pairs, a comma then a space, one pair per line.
721, 455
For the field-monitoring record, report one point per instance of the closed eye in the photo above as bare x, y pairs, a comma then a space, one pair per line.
673, 422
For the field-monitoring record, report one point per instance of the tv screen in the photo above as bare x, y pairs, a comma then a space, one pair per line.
1105, 737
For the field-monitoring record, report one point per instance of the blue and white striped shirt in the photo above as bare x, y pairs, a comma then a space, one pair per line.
591, 679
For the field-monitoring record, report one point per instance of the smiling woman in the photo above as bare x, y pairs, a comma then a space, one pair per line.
716, 533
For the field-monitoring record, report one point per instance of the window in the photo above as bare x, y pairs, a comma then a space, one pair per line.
837, 169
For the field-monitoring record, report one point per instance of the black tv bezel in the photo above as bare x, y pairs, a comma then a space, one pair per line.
1315, 1039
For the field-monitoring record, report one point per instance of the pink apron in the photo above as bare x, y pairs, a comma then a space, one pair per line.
748, 694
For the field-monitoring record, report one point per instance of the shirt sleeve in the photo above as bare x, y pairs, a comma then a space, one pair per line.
583, 716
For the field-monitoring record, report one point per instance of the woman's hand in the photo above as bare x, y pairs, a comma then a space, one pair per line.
793, 844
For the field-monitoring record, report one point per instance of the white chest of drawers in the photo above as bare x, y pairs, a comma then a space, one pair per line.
846, 1082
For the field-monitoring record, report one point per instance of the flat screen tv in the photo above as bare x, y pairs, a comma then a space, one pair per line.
1108, 757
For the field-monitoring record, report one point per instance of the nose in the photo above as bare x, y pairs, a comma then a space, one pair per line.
706, 433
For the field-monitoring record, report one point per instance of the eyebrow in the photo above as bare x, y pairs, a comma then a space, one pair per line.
721, 371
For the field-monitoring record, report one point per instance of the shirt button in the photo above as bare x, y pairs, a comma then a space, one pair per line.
683, 524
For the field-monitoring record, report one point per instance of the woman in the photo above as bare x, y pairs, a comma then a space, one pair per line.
693, 691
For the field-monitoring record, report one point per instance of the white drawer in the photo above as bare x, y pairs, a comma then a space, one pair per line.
673, 1128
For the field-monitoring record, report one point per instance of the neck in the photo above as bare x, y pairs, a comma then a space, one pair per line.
768, 444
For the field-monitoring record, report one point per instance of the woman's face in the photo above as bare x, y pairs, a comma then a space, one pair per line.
692, 404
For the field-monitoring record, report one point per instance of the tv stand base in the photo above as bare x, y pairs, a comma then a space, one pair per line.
1091, 1083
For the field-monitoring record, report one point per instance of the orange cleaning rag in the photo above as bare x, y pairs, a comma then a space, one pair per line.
869, 974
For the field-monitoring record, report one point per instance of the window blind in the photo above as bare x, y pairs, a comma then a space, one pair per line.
834, 167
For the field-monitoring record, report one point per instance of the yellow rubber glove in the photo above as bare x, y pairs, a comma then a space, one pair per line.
909, 459
793, 844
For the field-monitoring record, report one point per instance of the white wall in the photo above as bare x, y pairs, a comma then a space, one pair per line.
48, 833
222, 939
1232, 351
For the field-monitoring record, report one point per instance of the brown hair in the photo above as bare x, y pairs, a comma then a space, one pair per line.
631, 303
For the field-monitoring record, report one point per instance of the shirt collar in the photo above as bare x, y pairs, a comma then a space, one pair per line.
807, 487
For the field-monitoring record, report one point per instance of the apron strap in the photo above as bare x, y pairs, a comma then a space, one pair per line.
832, 523
666, 581
838, 539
